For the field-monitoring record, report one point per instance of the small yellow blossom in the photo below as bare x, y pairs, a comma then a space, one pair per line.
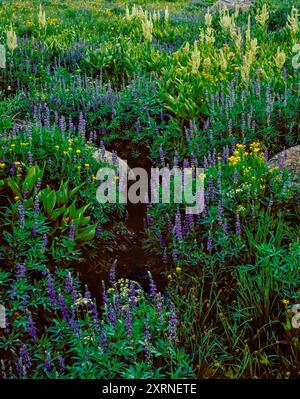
78, 151
87, 165
178, 269
285, 301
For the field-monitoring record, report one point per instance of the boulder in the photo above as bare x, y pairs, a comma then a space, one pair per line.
290, 159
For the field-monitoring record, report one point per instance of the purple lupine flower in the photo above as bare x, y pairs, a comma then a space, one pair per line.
132, 295
98, 231
178, 227
190, 220
21, 369
81, 125
165, 256
38, 185
238, 227
243, 123
153, 288
62, 124
74, 292
103, 340
175, 255
225, 227
73, 324
25, 357
48, 363
104, 294
209, 243
72, 232
21, 270
128, 320
161, 156
22, 215
87, 293
36, 206
45, 240
30, 158
31, 328
147, 341
266, 155
91, 137
236, 176
159, 306
68, 283
63, 307
161, 241
112, 274
172, 327
51, 290
220, 213
61, 365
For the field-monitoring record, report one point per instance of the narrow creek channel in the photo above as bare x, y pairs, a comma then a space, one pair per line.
132, 260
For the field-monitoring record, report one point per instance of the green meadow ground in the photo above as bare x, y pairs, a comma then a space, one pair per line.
162, 83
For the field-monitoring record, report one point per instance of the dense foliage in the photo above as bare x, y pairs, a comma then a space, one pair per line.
170, 83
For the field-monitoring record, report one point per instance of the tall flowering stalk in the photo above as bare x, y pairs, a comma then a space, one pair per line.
147, 28
11, 39
173, 321
42, 17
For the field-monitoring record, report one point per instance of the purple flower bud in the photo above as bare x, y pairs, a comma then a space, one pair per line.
51, 290
72, 232
31, 328
22, 215
153, 288
21, 270
209, 243
172, 327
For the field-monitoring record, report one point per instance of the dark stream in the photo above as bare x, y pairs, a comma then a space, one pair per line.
132, 260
